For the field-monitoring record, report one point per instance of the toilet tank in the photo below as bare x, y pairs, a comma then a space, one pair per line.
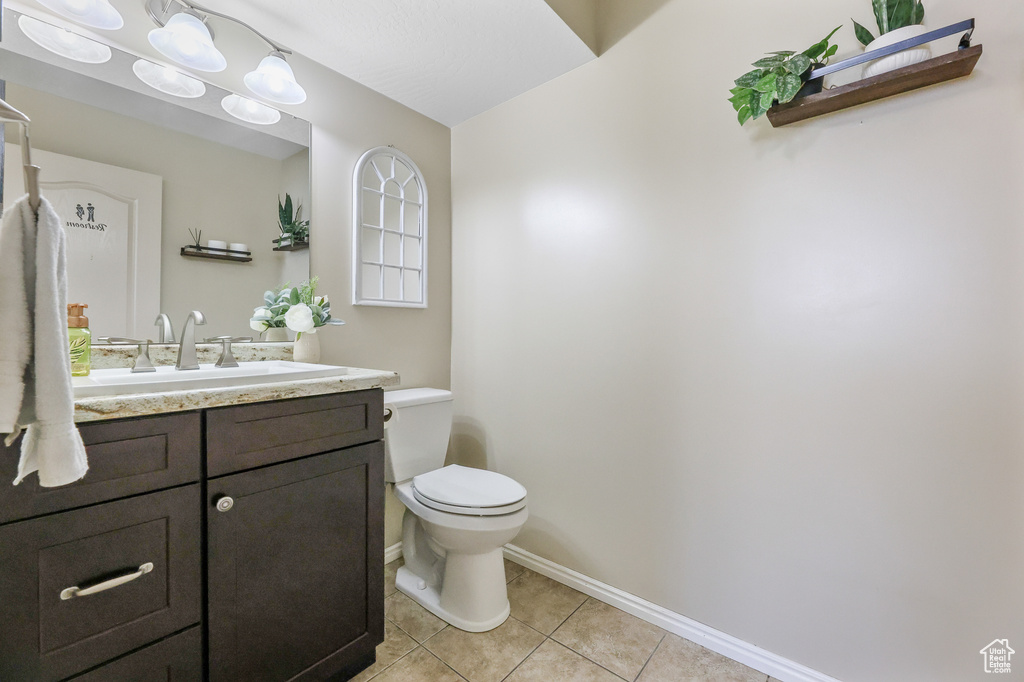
416, 434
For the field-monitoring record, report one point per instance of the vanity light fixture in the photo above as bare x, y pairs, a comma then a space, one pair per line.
186, 40
250, 110
274, 80
185, 37
93, 13
63, 42
168, 80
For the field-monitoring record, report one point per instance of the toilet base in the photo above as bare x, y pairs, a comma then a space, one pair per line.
431, 598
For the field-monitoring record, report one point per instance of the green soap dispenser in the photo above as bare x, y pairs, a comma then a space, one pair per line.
80, 339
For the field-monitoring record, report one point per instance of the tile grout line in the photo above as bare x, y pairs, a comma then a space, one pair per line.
382, 670
580, 653
527, 657
654, 651
445, 664
421, 645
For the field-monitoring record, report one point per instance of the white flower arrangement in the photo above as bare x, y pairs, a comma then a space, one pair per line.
297, 308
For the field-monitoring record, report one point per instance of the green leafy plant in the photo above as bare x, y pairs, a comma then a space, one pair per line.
297, 308
891, 15
290, 222
777, 78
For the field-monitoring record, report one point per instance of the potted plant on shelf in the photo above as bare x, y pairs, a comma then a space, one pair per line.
897, 20
778, 78
299, 309
294, 230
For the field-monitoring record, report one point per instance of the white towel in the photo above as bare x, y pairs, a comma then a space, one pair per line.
35, 369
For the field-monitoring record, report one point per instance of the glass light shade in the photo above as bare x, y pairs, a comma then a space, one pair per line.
94, 13
62, 42
274, 80
250, 111
186, 40
168, 80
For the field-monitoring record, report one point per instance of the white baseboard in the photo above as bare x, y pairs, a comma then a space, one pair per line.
393, 552
778, 667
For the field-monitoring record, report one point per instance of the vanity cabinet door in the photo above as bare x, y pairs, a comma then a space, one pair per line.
296, 567
82, 587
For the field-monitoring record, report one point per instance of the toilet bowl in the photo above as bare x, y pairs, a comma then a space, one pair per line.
457, 518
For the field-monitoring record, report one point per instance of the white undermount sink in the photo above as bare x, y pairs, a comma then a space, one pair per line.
122, 380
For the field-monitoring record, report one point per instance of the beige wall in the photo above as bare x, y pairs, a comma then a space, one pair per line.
769, 379
349, 119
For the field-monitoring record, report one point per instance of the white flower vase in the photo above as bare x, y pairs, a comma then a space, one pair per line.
897, 61
307, 348
275, 335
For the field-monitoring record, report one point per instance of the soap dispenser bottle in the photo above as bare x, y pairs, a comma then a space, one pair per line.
80, 339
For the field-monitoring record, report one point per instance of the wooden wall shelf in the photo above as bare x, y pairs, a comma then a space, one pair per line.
946, 67
300, 246
216, 254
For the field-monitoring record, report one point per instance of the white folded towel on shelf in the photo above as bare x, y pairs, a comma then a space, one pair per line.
35, 368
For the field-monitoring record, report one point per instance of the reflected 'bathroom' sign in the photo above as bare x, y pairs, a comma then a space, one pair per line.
81, 212
112, 220
99, 247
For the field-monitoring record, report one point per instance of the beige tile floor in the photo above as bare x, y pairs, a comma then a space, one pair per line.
555, 634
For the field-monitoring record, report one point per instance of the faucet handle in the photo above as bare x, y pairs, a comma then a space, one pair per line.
142, 361
118, 340
226, 358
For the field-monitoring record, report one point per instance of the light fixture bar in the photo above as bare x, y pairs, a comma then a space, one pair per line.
162, 10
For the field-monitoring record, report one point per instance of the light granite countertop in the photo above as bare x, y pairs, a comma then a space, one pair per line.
106, 356
143, 404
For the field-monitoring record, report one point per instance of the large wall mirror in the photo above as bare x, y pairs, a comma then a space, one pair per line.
148, 168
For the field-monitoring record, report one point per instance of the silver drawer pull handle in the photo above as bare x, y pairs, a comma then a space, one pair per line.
72, 592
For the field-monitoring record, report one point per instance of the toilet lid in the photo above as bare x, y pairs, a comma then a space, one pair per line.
463, 490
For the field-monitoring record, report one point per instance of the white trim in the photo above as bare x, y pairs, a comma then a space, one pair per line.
763, 661
393, 552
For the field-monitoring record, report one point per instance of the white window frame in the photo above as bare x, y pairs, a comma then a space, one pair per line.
359, 296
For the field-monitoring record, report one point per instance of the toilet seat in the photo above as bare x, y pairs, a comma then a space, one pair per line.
473, 492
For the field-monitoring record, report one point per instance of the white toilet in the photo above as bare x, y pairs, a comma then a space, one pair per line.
457, 519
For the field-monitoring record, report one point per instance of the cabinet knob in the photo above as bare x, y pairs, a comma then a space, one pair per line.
224, 503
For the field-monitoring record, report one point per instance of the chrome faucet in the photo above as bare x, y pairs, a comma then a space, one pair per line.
187, 347
165, 332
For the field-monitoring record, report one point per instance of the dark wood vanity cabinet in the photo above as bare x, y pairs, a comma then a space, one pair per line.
296, 546
281, 501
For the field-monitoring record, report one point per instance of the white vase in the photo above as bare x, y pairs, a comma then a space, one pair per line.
900, 59
275, 335
307, 348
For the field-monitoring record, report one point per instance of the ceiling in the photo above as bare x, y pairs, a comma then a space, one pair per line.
447, 59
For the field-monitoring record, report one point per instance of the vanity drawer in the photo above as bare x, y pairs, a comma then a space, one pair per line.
249, 436
175, 659
48, 634
126, 457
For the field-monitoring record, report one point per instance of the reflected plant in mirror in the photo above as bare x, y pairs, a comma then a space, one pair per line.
294, 230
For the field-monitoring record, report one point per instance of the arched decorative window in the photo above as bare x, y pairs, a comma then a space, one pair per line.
389, 231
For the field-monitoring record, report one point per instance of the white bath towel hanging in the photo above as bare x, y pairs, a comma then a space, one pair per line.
35, 370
